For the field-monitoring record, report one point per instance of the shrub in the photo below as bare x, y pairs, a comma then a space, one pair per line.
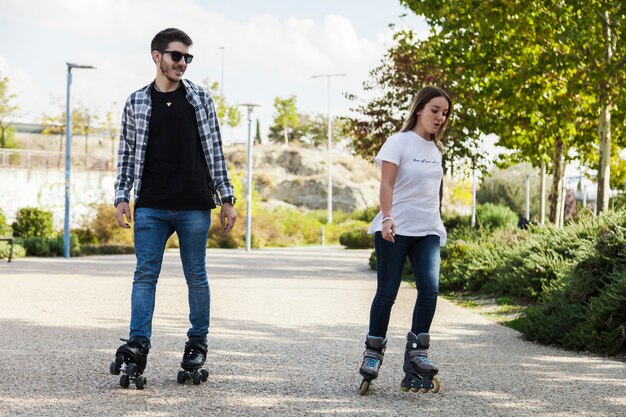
5, 229
491, 216
33, 222
357, 239
106, 229
56, 245
36, 246
5, 249
107, 249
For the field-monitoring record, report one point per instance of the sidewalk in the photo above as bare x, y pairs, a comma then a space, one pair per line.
286, 339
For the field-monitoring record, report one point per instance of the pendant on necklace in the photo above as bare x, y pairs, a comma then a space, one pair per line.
168, 104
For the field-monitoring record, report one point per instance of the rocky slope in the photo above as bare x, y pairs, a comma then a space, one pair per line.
298, 176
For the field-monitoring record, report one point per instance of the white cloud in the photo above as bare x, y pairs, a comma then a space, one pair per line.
264, 56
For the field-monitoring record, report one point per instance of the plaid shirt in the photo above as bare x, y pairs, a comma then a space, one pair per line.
134, 141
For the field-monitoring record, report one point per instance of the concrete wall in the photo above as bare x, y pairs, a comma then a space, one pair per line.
45, 189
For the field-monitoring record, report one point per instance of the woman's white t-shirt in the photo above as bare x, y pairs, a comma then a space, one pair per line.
415, 206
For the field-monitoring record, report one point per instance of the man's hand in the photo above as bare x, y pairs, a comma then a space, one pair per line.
227, 217
122, 209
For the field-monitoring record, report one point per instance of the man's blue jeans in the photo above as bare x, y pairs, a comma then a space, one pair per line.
152, 229
424, 254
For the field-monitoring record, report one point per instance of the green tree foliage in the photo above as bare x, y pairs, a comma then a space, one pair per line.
286, 117
33, 222
5, 229
227, 114
547, 74
7, 109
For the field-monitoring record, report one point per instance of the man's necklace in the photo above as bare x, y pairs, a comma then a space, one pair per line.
156, 87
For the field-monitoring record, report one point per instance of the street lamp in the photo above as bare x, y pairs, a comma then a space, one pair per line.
68, 144
250, 107
330, 161
222, 74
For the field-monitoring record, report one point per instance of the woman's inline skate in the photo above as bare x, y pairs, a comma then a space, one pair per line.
419, 370
372, 360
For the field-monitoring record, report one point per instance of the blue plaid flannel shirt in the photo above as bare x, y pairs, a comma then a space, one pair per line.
134, 141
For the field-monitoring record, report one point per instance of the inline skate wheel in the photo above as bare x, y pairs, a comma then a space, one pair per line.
365, 386
181, 377
197, 378
437, 386
114, 368
124, 381
140, 382
404, 389
205, 375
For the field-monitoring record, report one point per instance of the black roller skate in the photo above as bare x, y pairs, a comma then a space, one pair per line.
372, 359
419, 370
130, 360
193, 360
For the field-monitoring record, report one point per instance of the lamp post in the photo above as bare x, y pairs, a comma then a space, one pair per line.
250, 107
68, 147
222, 73
330, 160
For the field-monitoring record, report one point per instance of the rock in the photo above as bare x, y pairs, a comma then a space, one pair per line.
298, 176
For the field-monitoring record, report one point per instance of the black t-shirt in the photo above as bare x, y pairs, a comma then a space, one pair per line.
175, 174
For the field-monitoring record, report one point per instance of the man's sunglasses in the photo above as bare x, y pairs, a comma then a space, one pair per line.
177, 56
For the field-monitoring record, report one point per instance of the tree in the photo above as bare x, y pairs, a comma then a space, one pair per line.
227, 114
286, 116
111, 129
6, 111
409, 65
559, 63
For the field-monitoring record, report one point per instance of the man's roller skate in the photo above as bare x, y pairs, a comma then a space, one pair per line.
419, 370
193, 360
372, 359
130, 360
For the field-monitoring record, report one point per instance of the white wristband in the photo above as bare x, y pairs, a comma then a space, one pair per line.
386, 218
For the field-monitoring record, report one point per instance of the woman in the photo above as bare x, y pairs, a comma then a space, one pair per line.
409, 225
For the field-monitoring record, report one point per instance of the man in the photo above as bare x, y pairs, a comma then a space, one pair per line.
171, 153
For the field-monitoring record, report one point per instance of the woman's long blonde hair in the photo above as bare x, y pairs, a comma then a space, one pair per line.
424, 96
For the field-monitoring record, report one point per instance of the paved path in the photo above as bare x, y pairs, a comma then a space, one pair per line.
286, 339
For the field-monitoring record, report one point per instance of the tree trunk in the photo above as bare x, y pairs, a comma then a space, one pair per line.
542, 214
556, 194
604, 124
604, 170
286, 136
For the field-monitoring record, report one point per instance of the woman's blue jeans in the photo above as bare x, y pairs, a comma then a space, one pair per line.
424, 254
152, 229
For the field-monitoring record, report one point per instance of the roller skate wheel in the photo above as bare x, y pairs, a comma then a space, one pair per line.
132, 370
205, 375
404, 389
365, 386
114, 368
181, 377
125, 381
423, 390
140, 382
436, 386
197, 378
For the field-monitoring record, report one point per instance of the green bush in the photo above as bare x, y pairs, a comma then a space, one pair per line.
85, 236
5, 229
357, 239
491, 216
33, 222
5, 248
36, 246
57, 243
107, 249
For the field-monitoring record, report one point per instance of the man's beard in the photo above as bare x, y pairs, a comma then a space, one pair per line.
165, 71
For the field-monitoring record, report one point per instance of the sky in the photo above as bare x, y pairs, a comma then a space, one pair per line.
267, 49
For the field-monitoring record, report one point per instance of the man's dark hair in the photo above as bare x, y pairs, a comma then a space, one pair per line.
164, 37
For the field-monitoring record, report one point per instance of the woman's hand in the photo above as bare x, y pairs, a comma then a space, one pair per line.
389, 230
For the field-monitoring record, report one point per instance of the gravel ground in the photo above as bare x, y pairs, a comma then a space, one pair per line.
286, 339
